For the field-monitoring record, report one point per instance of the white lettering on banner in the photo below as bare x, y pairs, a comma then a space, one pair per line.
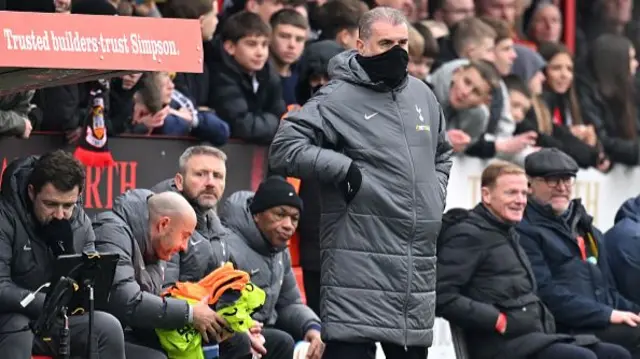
73, 41
601, 194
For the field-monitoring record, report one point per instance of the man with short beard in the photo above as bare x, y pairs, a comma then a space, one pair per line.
201, 180
201, 177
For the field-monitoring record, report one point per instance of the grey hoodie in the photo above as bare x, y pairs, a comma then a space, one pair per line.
472, 121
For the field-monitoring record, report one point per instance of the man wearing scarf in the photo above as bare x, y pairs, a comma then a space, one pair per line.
374, 138
568, 257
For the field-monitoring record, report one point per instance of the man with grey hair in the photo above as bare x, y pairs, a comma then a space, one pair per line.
200, 179
374, 138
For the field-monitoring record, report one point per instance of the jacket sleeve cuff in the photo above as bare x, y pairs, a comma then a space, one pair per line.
190, 315
177, 311
312, 326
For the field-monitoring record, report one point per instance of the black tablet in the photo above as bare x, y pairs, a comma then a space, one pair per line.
96, 269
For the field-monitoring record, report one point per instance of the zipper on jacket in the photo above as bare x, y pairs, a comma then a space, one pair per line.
413, 225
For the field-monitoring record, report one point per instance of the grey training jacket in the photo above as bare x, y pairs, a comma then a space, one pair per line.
135, 299
378, 251
269, 267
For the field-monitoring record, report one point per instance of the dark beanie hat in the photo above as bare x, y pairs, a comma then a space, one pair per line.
273, 192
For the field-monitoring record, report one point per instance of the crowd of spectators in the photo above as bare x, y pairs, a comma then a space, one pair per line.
506, 83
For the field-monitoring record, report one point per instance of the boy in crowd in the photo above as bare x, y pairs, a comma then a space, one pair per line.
423, 49
468, 86
197, 86
339, 21
519, 97
248, 90
290, 30
265, 8
475, 40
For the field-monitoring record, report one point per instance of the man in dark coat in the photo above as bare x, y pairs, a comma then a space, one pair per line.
569, 258
375, 140
147, 229
486, 285
41, 217
261, 226
623, 249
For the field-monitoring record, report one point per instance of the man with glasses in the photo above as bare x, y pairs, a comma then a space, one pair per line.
568, 257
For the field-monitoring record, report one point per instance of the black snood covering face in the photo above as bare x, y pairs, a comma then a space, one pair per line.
389, 67
59, 236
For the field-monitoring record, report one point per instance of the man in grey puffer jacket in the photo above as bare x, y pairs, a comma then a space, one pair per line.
200, 179
375, 138
261, 227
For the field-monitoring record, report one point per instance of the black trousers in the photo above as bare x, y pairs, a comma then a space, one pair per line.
279, 344
18, 343
312, 289
623, 335
570, 351
342, 350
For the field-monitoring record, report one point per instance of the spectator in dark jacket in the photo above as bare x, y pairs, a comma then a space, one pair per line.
563, 109
313, 68
197, 86
568, 256
121, 102
41, 217
290, 31
248, 93
201, 180
338, 21
262, 224
487, 287
607, 96
623, 249
549, 135
146, 229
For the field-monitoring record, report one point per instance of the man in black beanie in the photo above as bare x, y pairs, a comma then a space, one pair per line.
261, 225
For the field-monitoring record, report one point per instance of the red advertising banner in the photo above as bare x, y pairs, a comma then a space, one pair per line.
46, 49
93, 42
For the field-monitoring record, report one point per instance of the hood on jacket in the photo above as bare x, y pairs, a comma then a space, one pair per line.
133, 208
527, 64
630, 209
207, 220
8, 102
315, 61
14, 190
235, 215
440, 80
